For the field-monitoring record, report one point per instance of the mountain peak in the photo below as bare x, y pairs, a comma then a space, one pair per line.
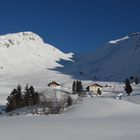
18, 38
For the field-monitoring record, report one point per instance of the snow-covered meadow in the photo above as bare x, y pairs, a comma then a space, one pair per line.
91, 118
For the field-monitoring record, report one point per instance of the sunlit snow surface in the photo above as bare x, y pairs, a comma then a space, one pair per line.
93, 118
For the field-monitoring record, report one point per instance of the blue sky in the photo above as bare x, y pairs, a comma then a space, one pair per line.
71, 25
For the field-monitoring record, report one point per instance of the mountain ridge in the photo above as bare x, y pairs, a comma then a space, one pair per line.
16, 39
113, 62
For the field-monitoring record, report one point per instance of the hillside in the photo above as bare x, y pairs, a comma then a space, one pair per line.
26, 51
26, 58
115, 61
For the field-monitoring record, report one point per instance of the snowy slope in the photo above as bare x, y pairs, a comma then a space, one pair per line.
26, 58
115, 61
26, 51
96, 119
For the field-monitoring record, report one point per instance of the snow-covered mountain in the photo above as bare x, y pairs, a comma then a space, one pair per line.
26, 52
26, 58
117, 60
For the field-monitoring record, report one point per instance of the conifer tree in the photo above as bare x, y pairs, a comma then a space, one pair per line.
34, 95
69, 101
12, 101
19, 97
35, 98
128, 87
79, 87
136, 80
99, 91
17, 100
28, 96
74, 86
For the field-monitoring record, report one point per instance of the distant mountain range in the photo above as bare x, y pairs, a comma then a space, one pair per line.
115, 61
25, 53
